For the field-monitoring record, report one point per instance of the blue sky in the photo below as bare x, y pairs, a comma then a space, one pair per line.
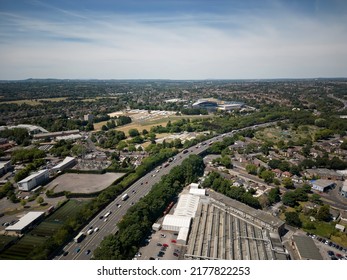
173, 39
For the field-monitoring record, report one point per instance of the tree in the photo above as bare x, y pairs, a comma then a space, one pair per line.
274, 195
323, 213
39, 199
289, 199
251, 169
287, 183
267, 175
293, 219
133, 132
144, 132
226, 161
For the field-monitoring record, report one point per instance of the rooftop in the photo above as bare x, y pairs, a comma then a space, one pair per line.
306, 247
25, 221
32, 176
323, 183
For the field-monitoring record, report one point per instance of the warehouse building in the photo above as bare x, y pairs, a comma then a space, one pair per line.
306, 248
322, 185
344, 189
34, 180
5, 166
26, 222
67, 163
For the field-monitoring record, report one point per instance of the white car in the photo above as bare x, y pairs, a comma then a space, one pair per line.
96, 229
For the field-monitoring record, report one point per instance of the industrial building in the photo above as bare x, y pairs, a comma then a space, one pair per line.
224, 228
33, 180
68, 162
5, 166
344, 189
306, 248
55, 134
26, 221
322, 185
324, 173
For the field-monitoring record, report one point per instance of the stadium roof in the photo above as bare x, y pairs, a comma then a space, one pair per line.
25, 221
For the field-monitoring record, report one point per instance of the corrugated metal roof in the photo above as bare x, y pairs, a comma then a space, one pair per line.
187, 205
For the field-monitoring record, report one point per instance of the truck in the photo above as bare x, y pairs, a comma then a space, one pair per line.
79, 237
125, 197
107, 214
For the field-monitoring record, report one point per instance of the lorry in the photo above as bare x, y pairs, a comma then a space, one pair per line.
79, 237
125, 197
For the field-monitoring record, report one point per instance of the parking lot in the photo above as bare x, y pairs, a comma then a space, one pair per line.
329, 250
161, 245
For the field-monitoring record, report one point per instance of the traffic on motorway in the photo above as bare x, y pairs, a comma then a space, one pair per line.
90, 237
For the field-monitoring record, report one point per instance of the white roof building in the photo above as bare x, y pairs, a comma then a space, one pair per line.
66, 163
201, 192
175, 223
33, 180
183, 235
187, 205
194, 186
25, 221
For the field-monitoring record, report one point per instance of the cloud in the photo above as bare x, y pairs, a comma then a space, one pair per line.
278, 43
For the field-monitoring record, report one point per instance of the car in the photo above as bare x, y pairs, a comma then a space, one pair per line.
159, 244
146, 182
138, 254
141, 183
326, 242
339, 256
173, 241
175, 254
101, 217
118, 205
87, 252
105, 220
133, 191
132, 203
78, 250
65, 253
90, 227
333, 258
165, 245
323, 240
96, 229
319, 239
163, 248
151, 258
331, 253
162, 235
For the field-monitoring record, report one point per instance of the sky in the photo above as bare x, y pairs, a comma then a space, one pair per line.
172, 39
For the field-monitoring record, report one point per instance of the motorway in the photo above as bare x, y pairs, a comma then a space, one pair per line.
118, 208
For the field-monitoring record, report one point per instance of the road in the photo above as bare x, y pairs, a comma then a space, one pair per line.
118, 208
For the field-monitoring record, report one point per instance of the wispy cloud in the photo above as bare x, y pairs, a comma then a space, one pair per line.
70, 44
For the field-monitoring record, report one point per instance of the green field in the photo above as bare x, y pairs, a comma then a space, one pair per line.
275, 134
42, 232
22, 248
5, 239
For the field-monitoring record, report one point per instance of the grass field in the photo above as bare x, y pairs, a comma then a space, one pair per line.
34, 102
5, 239
22, 248
276, 134
41, 233
148, 124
